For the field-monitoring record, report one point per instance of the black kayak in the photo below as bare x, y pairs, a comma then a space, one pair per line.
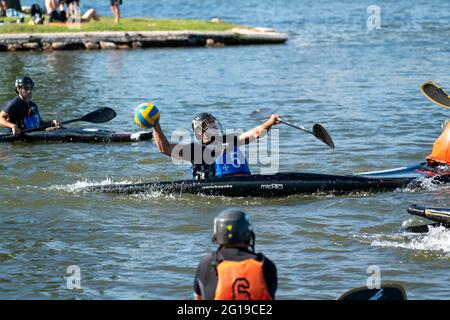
79, 135
281, 184
439, 215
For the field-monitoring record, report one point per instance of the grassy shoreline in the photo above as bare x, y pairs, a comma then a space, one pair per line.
107, 24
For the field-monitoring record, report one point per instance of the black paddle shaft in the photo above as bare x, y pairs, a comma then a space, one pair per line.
296, 127
318, 130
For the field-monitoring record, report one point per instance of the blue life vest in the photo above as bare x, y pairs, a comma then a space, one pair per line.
32, 120
231, 162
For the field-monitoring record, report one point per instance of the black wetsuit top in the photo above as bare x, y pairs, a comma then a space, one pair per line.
18, 110
205, 282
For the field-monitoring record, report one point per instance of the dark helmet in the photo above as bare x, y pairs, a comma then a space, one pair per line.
233, 226
23, 81
203, 120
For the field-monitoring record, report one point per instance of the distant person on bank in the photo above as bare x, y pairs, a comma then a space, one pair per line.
74, 12
234, 271
10, 8
56, 10
2, 8
12, 4
115, 7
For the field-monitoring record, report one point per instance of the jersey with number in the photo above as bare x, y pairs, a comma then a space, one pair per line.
235, 274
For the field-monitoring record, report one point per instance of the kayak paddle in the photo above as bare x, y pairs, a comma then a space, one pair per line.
435, 93
318, 130
98, 116
387, 291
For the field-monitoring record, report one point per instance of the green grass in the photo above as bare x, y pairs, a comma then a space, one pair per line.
126, 24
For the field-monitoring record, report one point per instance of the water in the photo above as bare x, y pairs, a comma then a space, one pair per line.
362, 86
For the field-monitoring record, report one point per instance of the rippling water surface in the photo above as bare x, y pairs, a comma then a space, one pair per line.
362, 86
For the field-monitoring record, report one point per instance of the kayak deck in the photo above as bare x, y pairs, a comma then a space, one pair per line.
412, 171
79, 136
278, 185
281, 184
440, 215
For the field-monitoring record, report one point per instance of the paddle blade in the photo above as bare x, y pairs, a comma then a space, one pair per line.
322, 134
435, 93
386, 292
99, 116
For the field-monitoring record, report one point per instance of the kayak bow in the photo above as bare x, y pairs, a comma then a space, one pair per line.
78, 135
440, 215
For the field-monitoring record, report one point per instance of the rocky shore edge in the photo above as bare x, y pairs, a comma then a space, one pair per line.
140, 39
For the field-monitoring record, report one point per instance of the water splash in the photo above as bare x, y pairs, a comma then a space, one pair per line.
436, 240
409, 222
80, 185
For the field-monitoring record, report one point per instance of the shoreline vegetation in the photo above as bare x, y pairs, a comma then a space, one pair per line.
130, 33
107, 24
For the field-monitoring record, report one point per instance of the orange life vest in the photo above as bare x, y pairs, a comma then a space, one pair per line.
441, 148
241, 280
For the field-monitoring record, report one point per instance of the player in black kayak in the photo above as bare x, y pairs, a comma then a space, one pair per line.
217, 154
22, 113
235, 271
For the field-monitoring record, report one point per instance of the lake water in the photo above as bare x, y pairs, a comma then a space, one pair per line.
362, 85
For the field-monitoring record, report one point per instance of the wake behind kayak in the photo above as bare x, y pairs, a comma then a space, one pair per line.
277, 185
79, 136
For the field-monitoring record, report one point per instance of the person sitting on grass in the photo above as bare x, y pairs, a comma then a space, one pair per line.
115, 7
12, 4
56, 10
74, 12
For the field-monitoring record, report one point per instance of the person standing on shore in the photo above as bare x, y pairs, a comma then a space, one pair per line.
115, 7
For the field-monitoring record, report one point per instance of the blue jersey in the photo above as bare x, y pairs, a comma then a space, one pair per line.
206, 165
32, 120
231, 162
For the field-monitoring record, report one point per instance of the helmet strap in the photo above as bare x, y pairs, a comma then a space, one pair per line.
252, 241
20, 95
